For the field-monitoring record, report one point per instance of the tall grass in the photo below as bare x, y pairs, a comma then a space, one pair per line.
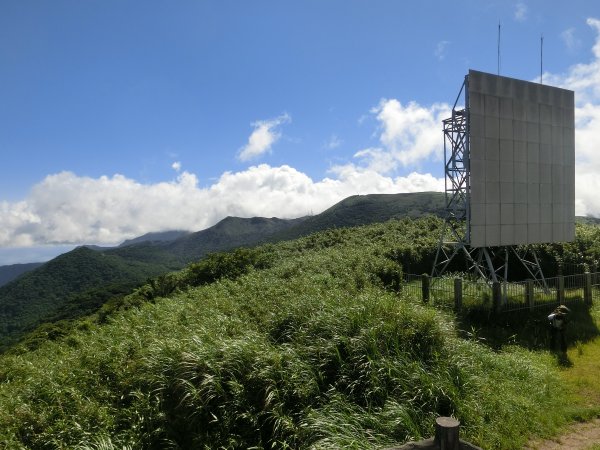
315, 350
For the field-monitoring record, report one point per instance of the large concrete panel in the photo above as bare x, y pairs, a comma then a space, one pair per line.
477, 193
507, 234
507, 214
506, 108
507, 171
520, 150
477, 214
522, 155
520, 210
507, 192
520, 234
492, 193
520, 175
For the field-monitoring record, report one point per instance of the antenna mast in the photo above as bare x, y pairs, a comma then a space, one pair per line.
541, 59
498, 48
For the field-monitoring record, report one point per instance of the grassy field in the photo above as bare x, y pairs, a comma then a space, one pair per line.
305, 344
580, 374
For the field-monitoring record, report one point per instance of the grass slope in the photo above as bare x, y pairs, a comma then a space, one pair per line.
79, 282
304, 344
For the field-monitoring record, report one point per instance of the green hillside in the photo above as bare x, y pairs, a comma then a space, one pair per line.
366, 209
60, 290
63, 283
156, 237
229, 233
304, 344
81, 281
10, 272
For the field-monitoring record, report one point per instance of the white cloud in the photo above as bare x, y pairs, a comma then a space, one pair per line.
263, 137
440, 50
65, 208
333, 142
521, 12
409, 134
584, 79
570, 40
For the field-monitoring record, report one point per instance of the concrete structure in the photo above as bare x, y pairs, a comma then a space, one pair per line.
509, 161
522, 162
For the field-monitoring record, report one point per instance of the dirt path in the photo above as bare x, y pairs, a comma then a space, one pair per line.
581, 436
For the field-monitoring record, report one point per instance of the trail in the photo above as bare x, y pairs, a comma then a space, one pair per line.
581, 436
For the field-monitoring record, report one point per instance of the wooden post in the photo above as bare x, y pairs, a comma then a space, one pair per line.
529, 294
446, 433
458, 293
496, 296
587, 288
560, 290
425, 287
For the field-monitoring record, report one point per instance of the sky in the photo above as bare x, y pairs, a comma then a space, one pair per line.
121, 117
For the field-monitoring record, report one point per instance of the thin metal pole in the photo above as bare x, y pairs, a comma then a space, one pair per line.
541, 59
498, 48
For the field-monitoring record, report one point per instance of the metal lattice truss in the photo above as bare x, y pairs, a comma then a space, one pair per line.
456, 155
455, 235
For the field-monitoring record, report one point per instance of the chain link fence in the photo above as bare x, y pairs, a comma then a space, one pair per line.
460, 291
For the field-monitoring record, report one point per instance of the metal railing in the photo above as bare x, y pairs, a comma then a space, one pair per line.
460, 291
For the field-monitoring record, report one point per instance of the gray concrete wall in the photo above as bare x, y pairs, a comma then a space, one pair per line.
522, 161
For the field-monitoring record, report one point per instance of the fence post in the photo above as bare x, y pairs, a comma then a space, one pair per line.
496, 296
560, 290
447, 433
587, 288
458, 293
529, 293
425, 281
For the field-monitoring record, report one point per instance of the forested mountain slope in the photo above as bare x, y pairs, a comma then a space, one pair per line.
12, 271
41, 293
367, 209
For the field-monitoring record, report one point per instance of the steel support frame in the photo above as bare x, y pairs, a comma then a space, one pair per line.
489, 263
455, 236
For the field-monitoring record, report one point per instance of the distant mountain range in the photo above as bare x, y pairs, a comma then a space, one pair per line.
156, 237
9, 273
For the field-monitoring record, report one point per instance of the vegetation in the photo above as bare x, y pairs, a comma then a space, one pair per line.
9, 273
72, 285
80, 282
304, 344
360, 210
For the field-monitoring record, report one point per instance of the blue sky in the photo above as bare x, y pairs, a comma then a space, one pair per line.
123, 117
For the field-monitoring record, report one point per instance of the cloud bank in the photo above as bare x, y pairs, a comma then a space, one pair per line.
66, 208
409, 135
584, 79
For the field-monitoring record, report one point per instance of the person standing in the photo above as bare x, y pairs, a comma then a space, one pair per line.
558, 323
